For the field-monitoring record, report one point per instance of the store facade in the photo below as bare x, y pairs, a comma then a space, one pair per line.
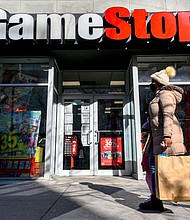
75, 88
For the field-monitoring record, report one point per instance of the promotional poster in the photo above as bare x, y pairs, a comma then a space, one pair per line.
111, 151
18, 141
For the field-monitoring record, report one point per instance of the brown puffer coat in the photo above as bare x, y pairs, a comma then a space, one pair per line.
163, 121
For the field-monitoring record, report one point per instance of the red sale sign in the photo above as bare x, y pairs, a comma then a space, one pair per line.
111, 151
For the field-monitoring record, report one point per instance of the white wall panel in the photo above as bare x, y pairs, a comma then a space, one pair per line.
11, 6
101, 6
38, 6
178, 5
75, 6
149, 5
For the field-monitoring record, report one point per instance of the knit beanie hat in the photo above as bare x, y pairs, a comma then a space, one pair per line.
163, 76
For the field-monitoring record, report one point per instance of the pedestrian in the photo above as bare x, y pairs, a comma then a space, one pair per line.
166, 132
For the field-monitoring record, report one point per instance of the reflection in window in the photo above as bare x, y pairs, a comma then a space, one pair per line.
23, 73
110, 113
150, 65
146, 69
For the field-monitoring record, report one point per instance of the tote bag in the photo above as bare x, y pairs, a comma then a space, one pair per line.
173, 178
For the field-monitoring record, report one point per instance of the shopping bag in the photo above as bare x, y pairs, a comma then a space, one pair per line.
173, 178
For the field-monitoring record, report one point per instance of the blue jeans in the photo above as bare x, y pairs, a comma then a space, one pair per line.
152, 171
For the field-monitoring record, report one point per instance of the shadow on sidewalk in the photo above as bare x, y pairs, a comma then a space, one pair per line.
123, 197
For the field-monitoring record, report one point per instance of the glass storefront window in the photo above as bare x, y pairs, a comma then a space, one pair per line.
145, 96
23, 73
182, 78
23, 126
183, 114
154, 64
182, 111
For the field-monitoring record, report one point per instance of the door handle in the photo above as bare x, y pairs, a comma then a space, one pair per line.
98, 137
88, 138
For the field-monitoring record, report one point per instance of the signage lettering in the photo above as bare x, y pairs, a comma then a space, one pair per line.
139, 20
121, 29
184, 26
163, 25
117, 24
90, 26
52, 27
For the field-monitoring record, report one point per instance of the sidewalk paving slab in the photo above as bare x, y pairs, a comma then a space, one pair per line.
81, 198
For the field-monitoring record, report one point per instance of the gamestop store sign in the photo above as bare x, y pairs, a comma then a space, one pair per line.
117, 24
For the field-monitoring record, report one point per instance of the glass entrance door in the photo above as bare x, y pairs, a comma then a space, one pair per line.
77, 146
108, 128
93, 135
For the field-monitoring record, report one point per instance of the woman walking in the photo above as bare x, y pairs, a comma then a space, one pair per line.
166, 133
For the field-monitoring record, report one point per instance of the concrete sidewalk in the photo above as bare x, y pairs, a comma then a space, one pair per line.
80, 198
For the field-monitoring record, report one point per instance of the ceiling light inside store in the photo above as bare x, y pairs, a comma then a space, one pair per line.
71, 83
117, 83
112, 108
116, 108
117, 93
107, 112
44, 66
118, 102
143, 65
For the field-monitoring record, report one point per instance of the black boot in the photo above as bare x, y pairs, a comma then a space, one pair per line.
155, 204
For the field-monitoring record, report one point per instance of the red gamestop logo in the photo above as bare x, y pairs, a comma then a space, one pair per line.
139, 25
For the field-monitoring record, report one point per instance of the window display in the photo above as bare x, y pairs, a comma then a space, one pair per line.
23, 122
